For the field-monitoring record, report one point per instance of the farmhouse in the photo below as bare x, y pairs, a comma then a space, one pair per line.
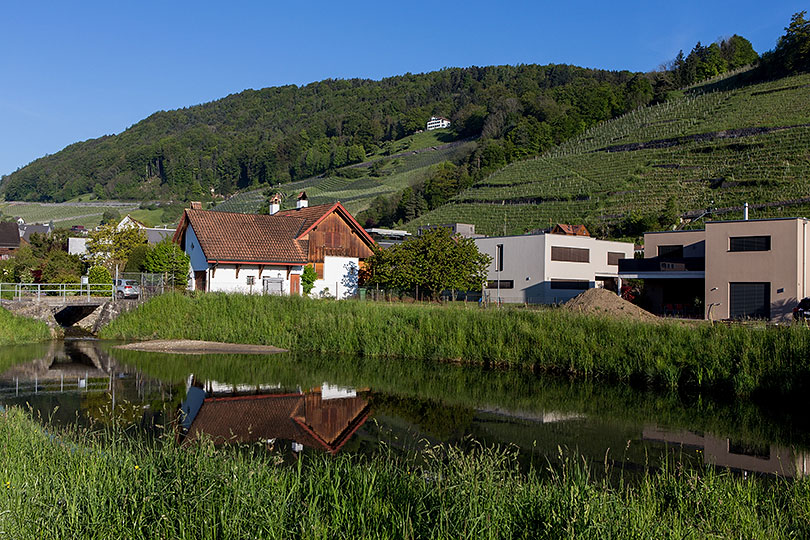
252, 253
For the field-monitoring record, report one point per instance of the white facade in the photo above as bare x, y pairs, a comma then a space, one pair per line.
339, 274
437, 122
549, 268
77, 246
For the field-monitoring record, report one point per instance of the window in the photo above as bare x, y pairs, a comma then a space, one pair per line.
672, 252
570, 284
570, 254
749, 243
499, 258
504, 284
614, 256
251, 280
750, 300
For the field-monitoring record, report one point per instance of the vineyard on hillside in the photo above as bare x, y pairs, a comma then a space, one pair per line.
356, 193
713, 151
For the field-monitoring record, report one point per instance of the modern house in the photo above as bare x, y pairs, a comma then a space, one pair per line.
464, 230
550, 268
730, 270
437, 122
252, 253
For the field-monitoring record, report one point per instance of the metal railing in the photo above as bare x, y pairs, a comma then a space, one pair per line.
20, 291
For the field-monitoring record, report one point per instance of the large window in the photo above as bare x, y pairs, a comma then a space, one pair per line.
499, 258
570, 284
614, 256
749, 243
570, 254
750, 300
672, 252
502, 284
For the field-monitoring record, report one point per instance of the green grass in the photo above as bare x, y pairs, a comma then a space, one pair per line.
102, 484
356, 194
735, 358
62, 215
580, 182
15, 329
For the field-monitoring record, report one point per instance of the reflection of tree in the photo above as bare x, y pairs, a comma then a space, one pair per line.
435, 418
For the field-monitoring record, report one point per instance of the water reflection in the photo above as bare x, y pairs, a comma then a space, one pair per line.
282, 402
324, 418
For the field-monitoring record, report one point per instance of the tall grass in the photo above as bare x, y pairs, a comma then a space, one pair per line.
16, 329
731, 358
84, 484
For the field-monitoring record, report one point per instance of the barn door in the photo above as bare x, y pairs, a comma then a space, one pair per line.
199, 280
295, 284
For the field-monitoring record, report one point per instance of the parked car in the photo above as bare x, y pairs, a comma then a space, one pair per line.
802, 311
127, 288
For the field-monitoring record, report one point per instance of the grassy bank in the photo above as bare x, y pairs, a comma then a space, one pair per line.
15, 329
104, 485
734, 358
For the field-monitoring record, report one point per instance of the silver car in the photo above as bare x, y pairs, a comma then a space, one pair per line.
127, 288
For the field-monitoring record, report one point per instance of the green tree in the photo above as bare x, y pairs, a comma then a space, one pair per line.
137, 258
433, 262
61, 268
110, 216
99, 274
308, 277
169, 258
112, 247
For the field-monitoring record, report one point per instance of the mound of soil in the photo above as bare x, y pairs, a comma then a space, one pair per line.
604, 302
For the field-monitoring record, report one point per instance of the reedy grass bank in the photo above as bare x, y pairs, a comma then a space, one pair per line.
735, 358
15, 329
82, 484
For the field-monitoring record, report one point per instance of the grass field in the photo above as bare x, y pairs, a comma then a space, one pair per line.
88, 214
15, 329
729, 359
686, 149
76, 483
356, 194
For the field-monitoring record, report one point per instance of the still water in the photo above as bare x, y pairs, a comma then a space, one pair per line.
310, 403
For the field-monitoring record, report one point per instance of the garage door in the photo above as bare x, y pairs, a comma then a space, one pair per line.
750, 300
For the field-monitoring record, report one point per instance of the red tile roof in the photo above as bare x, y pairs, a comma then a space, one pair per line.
294, 417
259, 238
570, 230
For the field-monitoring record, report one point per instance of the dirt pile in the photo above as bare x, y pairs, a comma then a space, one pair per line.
604, 302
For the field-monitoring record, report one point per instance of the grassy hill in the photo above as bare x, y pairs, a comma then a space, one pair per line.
409, 166
709, 149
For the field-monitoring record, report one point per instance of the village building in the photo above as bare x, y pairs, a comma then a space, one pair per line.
9, 239
253, 253
550, 267
154, 235
729, 270
437, 122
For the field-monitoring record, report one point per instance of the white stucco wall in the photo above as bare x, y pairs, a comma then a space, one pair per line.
339, 276
77, 246
224, 278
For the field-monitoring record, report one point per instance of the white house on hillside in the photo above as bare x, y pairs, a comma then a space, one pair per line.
437, 122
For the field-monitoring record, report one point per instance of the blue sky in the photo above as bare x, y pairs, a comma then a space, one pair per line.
71, 71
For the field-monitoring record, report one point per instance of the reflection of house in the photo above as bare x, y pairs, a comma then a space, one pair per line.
267, 253
744, 456
550, 268
735, 269
312, 419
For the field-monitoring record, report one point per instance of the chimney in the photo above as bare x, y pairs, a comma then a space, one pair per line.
196, 205
275, 204
745, 211
303, 202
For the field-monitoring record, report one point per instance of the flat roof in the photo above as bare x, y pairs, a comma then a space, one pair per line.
729, 221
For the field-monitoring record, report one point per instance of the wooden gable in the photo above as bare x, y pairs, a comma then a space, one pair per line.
334, 237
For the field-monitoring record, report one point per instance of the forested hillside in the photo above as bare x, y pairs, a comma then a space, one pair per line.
277, 135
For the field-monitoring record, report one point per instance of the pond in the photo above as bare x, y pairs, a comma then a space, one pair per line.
294, 403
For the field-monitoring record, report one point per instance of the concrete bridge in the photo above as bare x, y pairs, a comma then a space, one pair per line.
59, 305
